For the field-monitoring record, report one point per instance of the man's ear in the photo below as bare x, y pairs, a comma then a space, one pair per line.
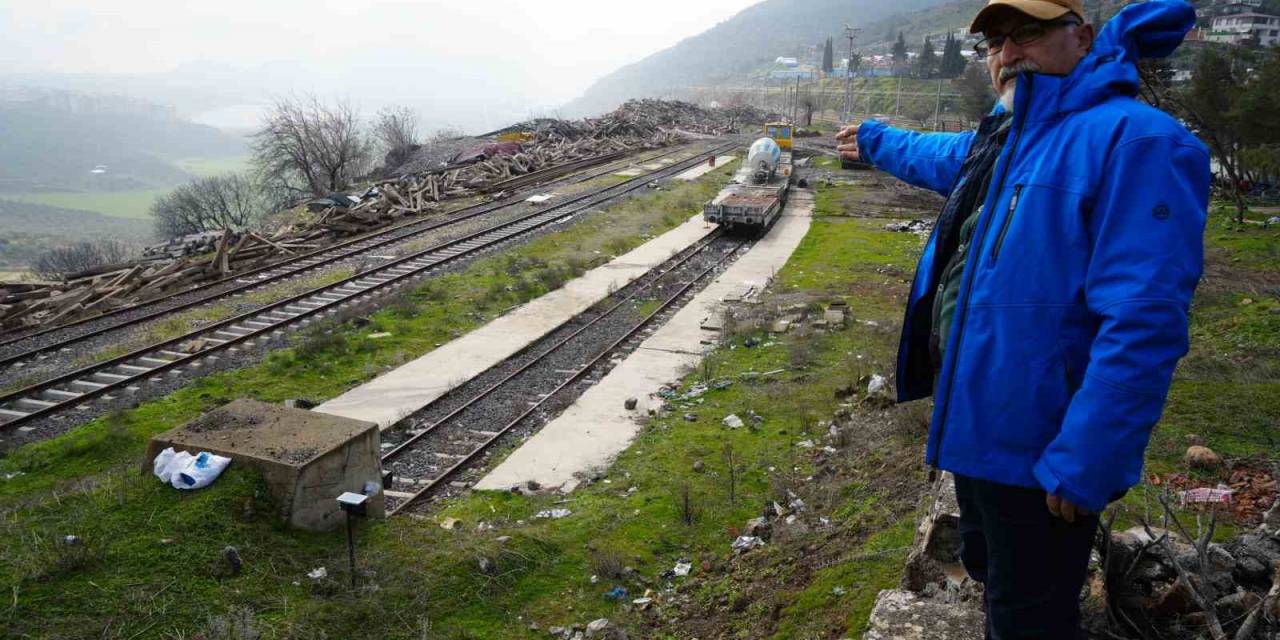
1085, 36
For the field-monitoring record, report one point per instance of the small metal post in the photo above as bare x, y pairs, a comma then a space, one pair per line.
351, 550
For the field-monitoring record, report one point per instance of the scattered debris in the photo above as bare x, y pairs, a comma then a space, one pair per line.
746, 543
1201, 457
918, 227
319, 573
554, 514
733, 421
630, 403
878, 384
449, 524
231, 560
682, 568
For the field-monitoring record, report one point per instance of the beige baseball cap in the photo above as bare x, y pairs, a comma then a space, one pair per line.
1038, 9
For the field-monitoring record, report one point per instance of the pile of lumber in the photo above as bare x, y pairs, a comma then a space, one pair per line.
91, 292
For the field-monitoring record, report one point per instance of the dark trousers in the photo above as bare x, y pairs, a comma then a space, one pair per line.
1031, 564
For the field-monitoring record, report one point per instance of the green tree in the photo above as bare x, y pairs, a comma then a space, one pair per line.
953, 62
976, 95
828, 57
1238, 126
900, 53
927, 63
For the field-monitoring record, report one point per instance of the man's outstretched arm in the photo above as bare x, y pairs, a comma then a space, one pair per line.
927, 160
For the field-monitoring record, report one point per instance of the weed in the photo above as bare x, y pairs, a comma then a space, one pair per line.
731, 472
404, 305
802, 352
608, 564
321, 339
237, 624
686, 505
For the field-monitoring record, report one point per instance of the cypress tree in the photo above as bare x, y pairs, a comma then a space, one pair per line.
928, 64
900, 52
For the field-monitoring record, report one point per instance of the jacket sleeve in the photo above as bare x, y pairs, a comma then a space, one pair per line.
1147, 229
927, 160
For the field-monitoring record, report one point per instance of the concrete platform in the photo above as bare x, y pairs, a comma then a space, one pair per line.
597, 427
402, 391
704, 169
307, 459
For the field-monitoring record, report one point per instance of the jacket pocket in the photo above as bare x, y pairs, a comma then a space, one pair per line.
1008, 219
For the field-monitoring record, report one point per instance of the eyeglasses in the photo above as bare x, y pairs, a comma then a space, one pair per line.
1023, 35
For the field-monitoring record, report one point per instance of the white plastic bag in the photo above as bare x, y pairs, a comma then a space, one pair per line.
160, 466
199, 471
170, 461
185, 471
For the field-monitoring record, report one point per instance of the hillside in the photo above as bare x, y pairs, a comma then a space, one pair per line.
735, 50
50, 148
754, 36
28, 230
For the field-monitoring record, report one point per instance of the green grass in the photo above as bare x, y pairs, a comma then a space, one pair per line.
148, 565
121, 204
207, 167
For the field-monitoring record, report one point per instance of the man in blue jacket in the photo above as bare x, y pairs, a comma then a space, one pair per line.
1049, 307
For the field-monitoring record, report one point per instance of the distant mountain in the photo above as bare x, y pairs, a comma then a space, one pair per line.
753, 37
57, 144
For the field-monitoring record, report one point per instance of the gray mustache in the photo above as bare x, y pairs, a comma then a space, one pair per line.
1018, 67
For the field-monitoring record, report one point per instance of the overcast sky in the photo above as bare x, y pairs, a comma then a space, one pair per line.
500, 52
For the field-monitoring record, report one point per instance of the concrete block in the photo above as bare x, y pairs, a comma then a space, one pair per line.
308, 459
903, 615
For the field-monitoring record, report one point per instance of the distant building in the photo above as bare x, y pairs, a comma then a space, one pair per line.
786, 62
792, 74
1244, 28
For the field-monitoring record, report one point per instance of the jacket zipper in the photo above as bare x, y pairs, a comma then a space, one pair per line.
1008, 220
963, 313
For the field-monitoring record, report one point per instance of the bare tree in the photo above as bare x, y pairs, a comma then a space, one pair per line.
61, 262
227, 201
396, 133
308, 148
808, 104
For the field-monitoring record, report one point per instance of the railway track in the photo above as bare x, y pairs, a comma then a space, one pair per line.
455, 430
126, 374
13, 353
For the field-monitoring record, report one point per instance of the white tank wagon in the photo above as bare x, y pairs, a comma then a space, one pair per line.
759, 189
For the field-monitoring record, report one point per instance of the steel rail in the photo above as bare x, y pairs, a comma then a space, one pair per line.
304, 262
72, 389
696, 250
577, 375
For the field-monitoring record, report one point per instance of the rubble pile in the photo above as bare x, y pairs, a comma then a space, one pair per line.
1159, 582
646, 118
546, 149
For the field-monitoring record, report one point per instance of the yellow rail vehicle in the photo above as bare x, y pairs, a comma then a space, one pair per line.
780, 132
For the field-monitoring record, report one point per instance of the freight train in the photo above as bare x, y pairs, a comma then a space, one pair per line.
754, 199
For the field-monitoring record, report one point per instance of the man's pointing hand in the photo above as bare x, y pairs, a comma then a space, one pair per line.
847, 141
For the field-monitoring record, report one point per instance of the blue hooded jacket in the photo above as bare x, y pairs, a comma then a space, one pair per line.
1072, 310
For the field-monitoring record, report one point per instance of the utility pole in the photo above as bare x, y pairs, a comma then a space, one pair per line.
795, 106
937, 106
850, 33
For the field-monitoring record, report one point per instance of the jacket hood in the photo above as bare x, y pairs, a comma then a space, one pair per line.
1145, 30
